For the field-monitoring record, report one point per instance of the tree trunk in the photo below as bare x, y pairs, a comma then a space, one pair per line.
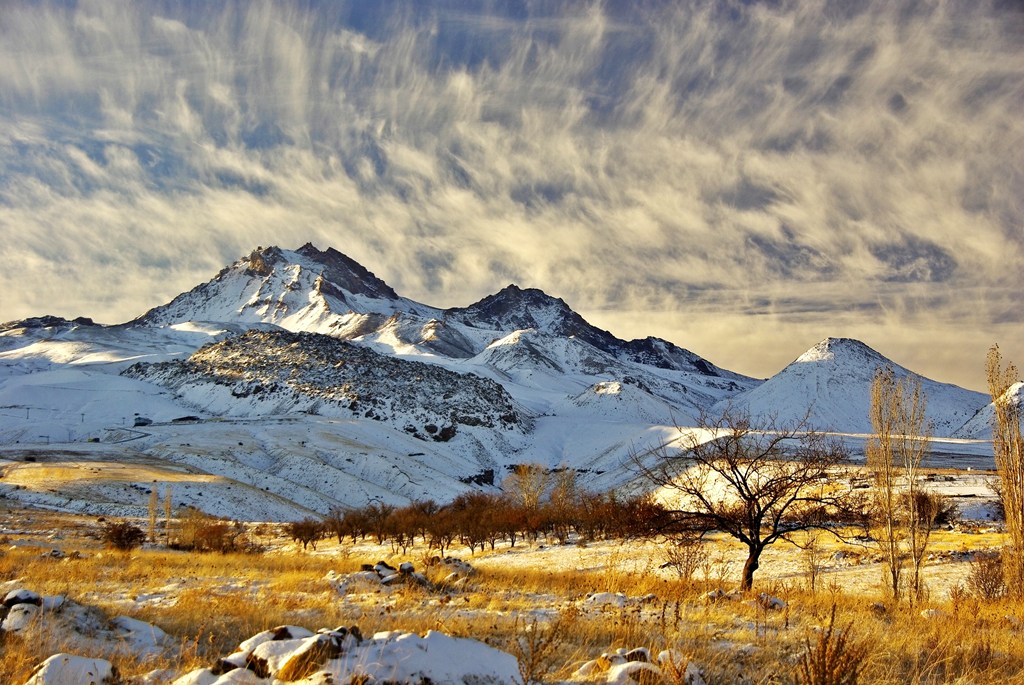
748, 569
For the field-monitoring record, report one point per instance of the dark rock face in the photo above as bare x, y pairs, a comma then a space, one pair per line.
261, 262
344, 272
311, 372
46, 321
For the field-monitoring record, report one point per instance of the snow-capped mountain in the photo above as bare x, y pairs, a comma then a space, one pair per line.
305, 290
831, 384
297, 380
979, 427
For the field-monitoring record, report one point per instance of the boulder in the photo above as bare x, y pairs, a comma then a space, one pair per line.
22, 596
141, 637
395, 657
20, 617
68, 669
766, 601
630, 667
605, 600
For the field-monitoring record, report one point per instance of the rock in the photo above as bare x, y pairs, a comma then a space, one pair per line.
67, 669
770, 603
142, 637
678, 668
54, 602
21, 596
20, 617
393, 657
635, 672
158, 676
609, 659
638, 654
405, 568
457, 565
717, 596
308, 659
384, 569
206, 677
274, 635
605, 600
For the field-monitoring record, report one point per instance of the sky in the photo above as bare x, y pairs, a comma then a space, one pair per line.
741, 178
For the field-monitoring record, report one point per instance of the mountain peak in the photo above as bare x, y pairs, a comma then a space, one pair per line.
304, 289
514, 308
348, 274
841, 349
830, 385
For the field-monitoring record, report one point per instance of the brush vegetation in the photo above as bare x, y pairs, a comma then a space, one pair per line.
538, 610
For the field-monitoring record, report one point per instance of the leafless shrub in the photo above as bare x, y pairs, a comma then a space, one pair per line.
986, 579
123, 536
834, 659
684, 554
535, 647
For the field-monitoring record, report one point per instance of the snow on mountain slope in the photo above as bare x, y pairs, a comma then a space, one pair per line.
417, 336
621, 402
265, 469
59, 382
979, 427
546, 372
833, 380
523, 355
75, 403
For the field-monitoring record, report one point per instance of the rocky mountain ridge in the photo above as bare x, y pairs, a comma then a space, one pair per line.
309, 382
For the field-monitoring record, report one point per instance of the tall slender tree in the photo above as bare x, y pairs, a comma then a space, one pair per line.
903, 513
154, 505
1008, 447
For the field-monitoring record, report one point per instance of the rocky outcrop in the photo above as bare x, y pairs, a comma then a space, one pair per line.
278, 372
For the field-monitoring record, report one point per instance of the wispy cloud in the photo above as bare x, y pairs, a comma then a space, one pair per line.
743, 178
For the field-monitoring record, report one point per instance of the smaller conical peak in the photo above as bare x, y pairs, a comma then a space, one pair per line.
836, 348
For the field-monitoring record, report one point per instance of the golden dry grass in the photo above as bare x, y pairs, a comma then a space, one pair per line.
210, 602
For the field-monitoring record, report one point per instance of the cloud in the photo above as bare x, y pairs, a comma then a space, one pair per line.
757, 167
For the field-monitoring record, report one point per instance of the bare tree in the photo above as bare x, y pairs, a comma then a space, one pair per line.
1008, 446
154, 504
755, 484
527, 484
902, 514
888, 531
168, 512
308, 531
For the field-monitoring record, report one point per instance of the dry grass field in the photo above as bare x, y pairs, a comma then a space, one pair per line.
556, 606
